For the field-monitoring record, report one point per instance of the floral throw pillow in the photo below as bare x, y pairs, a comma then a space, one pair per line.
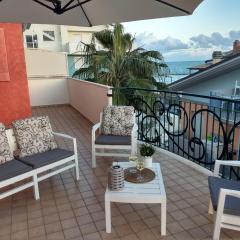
34, 135
117, 120
5, 152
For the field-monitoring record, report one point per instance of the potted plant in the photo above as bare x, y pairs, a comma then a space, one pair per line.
146, 151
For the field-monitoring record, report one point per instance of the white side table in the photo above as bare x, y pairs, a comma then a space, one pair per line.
151, 192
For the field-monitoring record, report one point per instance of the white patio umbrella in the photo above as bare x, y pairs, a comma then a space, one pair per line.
91, 12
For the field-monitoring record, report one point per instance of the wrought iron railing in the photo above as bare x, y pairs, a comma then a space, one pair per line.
199, 128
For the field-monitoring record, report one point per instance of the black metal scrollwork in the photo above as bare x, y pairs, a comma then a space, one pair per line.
149, 117
201, 131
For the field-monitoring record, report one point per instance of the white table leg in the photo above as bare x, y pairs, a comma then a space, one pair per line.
107, 213
163, 218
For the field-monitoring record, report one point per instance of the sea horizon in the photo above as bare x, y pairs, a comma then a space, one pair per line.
179, 69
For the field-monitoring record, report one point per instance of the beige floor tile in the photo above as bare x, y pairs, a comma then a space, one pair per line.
75, 210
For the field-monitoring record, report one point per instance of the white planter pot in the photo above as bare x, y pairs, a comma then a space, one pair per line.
148, 162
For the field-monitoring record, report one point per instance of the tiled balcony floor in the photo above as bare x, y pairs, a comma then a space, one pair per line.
75, 210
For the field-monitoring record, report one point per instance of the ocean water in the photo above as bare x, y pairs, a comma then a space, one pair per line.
180, 69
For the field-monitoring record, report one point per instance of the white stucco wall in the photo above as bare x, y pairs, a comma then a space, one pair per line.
37, 29
63, 35
88, 98
47, 77
44, 63
50, 91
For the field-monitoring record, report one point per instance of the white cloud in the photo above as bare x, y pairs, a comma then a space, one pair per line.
190, 54
198, 47
149, 41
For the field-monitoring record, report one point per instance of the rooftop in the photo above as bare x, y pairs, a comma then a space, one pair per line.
75, 210
223, 67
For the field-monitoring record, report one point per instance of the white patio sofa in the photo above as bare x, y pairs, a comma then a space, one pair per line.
36, 167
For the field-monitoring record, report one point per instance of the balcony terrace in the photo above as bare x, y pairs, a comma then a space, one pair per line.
75, 210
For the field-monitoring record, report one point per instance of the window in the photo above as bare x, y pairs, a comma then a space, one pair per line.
48, 36
31, 41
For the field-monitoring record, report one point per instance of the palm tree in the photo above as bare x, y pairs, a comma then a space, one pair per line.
119, 63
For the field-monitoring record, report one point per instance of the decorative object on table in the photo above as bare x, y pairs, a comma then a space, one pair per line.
147, 175
116, 178
146, 151
133, 160
140, 167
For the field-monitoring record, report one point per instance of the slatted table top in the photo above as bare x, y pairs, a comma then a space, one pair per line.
151, 192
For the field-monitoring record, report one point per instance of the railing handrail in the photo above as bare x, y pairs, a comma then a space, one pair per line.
180, 93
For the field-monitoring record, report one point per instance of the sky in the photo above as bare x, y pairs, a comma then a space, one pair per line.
214, 25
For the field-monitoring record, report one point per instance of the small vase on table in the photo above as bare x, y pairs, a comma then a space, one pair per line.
146, 151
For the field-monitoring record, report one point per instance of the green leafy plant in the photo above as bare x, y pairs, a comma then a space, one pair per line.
120, 63
209, 138
147, 150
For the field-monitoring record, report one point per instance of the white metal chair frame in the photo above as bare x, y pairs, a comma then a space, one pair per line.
34, 173
224, 220
132, 148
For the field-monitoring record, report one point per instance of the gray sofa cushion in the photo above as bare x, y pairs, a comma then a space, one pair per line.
34, 135
232, 204
12, 169
117, 120
5, 152
45, 158
113, 140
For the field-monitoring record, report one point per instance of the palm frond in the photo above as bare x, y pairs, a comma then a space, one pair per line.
119, 63
105, 38
83, 72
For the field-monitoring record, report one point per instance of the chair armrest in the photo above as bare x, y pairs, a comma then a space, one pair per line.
229, 192
63, 135
134, 129
222, 198
96, 127
218, 163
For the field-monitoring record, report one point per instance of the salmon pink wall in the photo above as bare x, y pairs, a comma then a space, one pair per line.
88, 98
14, 95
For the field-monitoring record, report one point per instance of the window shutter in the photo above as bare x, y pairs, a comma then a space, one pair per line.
4, 72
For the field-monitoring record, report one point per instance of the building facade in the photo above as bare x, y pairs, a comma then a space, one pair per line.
59, 38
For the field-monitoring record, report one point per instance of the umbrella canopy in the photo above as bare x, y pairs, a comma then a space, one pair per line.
91, 12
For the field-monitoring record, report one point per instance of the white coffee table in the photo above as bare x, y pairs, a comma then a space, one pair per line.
151, 192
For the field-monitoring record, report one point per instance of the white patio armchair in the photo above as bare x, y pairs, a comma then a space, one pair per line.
225, 199
109, 144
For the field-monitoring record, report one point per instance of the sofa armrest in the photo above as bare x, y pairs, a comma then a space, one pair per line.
62, 135
218, 163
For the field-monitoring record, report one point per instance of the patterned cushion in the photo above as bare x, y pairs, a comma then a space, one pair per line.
34, 135
5, 152
117, 120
